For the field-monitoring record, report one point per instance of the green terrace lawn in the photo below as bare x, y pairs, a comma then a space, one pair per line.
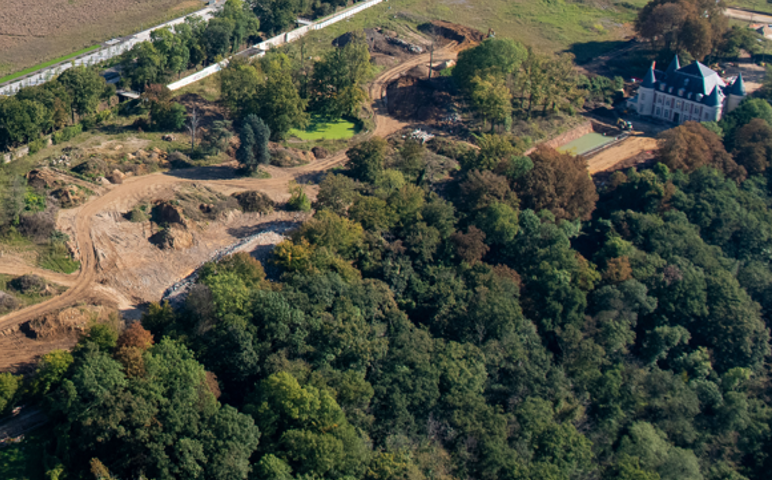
319, 129
26, 71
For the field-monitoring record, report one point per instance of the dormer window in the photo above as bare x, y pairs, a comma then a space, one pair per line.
686, 82
670, 90
689, 95
680, 92
662, 87
699, 97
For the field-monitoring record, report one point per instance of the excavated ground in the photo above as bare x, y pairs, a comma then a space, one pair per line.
121, 268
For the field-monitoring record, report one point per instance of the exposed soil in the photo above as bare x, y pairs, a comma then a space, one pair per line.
613, 158
119, 265
32, 31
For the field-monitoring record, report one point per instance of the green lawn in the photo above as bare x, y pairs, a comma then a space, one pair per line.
46, 64
318, 129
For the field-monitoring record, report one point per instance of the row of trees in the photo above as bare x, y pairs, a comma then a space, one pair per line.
511, 322
42, 109
502, 79
283, 96
695, 29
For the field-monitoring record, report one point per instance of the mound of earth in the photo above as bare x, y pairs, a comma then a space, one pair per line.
289, 157
64, 322
70, 196
175, 237
416, 98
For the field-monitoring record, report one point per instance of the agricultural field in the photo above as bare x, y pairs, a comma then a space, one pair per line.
33, 32
585, 29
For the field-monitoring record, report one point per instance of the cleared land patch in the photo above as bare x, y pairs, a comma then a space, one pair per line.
37, 31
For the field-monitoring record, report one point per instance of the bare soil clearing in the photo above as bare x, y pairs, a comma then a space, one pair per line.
617, 154
119, 266
33, 31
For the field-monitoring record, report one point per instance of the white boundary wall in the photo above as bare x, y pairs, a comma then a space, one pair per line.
276, 41
99, 55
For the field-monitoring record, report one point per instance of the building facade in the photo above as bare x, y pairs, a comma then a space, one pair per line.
680, 94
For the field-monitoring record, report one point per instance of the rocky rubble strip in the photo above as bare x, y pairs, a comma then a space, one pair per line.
177, 293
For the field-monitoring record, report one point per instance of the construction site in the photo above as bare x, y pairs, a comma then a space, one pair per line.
126, 261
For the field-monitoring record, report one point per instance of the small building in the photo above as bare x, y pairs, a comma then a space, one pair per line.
680, 94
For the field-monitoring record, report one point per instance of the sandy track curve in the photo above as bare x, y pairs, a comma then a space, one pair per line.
136, 188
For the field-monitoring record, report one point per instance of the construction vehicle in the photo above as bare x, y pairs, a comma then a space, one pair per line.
624, 124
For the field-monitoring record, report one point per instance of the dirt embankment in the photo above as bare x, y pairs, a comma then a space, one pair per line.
119, 265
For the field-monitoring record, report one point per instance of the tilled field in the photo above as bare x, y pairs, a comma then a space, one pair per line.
34, 31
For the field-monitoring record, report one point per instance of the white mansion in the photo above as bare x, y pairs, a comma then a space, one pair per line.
694, 92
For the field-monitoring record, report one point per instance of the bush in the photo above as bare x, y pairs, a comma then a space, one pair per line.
68, 133
37, 145
8, 303
255, 201
39, 226
179, 160
298, 201
28, 284
138, 214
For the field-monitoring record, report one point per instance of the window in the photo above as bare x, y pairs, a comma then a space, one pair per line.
678, 104
659, 111
667, 113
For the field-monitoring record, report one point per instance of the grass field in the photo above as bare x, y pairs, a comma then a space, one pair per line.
8, 78
586, 29
318, 129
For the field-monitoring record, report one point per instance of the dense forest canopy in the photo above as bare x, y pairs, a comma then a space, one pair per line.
447, 312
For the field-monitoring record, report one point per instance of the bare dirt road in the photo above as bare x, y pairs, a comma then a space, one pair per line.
84, 284
628, 148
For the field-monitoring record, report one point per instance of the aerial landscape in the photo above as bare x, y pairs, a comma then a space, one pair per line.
385, 240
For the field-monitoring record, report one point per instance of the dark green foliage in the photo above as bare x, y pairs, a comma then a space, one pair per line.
366, 159
167, 117
254, 135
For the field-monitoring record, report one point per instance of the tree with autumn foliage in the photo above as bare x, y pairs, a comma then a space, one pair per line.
558, 182
690, 146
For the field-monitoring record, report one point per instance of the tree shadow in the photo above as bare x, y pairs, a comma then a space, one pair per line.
212, 172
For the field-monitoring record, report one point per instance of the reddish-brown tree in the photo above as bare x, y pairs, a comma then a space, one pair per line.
470, 246
560, 183
691, 146
753, 146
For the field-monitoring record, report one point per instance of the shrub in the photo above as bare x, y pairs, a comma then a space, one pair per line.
138, 214
298, 201
28, 284
8, 302
38, 226
37, 145
255, 201
67, 133
179, 160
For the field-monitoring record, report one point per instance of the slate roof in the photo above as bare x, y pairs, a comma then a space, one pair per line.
738, 87
694, 82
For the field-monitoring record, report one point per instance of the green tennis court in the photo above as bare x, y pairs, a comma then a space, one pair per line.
585, 144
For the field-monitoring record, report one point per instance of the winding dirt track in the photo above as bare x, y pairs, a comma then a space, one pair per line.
140, 187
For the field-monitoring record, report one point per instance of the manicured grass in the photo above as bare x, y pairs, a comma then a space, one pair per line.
46, 64
319, 129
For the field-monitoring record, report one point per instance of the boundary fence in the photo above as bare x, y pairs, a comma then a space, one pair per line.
277, 41
109, 50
